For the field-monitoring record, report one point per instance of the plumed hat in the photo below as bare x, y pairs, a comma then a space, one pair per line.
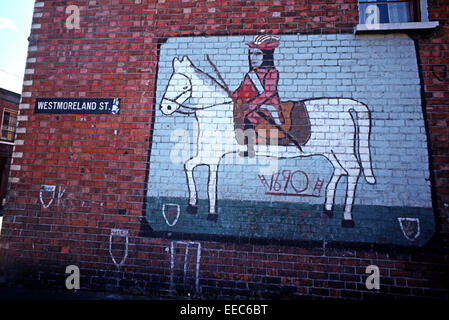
265, 42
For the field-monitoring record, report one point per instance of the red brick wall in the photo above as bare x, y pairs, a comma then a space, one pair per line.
434, 55
114, 54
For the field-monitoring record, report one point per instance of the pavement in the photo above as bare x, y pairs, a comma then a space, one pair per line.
19, 293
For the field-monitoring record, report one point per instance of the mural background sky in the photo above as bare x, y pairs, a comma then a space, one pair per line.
15, 28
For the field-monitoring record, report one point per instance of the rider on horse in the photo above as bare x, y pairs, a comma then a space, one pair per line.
257, 94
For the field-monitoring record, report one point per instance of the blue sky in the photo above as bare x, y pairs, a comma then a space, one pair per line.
15, 27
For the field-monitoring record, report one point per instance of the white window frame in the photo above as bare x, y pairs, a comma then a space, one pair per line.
3, 140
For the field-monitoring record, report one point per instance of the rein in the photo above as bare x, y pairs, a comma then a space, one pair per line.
194, 109
225, 85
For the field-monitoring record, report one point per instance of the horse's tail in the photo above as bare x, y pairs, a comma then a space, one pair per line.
363, 128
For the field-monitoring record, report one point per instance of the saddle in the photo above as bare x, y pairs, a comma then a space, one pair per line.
297, 125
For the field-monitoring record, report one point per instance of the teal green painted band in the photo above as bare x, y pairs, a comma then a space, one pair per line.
291, 221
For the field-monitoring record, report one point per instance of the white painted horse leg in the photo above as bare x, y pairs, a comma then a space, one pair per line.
193, 198
212, 192
353, 177
332, 185
330, 190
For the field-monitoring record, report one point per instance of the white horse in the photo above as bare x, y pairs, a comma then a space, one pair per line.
334, 135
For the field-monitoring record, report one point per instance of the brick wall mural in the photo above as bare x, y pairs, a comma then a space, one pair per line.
289, 138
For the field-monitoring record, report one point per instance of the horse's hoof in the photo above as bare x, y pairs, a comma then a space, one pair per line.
370, 179
329, 213
347, 223
212, 217
192, 209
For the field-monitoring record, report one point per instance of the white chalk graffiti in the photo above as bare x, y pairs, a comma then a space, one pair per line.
186, 257
60, 194
119, 233
47, 188
52, 189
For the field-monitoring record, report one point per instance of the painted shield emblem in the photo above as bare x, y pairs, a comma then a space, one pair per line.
410, 228
170, 212
120, 247
47, 195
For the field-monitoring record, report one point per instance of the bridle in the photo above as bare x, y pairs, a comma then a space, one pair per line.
181, 95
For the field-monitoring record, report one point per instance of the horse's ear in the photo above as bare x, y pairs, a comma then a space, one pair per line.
186, 59
176, 62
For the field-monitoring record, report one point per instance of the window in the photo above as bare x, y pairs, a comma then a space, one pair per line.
389, 11
9, 124
393, 15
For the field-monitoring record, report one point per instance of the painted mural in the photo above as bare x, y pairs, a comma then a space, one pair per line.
289, 138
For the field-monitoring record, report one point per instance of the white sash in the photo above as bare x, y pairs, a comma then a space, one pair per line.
255, 79
257, 83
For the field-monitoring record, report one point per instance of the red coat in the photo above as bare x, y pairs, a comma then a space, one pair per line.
247, 94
